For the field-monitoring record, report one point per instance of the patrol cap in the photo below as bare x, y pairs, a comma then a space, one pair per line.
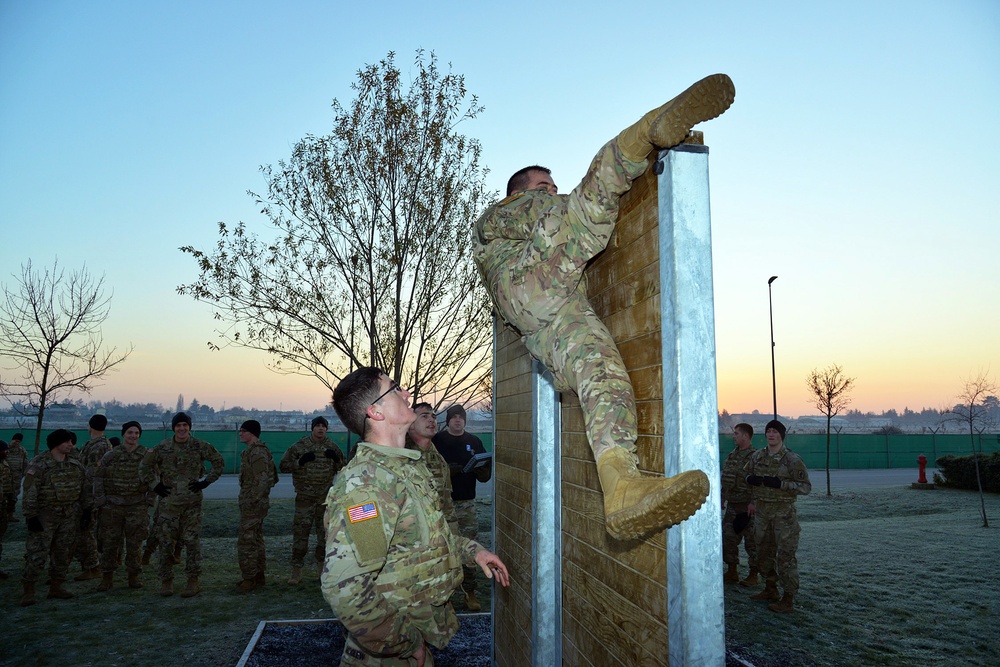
58, 437
317, 421
98, 422
252, 426
777, 426
127, 425
178, 418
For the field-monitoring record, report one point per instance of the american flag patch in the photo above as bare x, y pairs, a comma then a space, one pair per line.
362, 512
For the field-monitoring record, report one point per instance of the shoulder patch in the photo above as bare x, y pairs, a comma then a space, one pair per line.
367, 536
362, 512
511, 198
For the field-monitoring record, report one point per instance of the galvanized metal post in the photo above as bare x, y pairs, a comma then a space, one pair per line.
546, 520
690, 404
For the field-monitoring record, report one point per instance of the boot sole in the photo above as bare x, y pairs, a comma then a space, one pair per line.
661, 510
702, 101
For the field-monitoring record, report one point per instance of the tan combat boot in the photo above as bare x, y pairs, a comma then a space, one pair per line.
167, 588
296, 576
28, 596
57, 592
133, 580
668, 125
472, 602
732, 575
636, 504
192, 588
246, 586
783, 606
769, 593
106, 582
751, 579
92, 573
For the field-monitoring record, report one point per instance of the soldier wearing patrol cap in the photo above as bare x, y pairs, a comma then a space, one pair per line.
532, 249
392, 561
87, 550
257, 475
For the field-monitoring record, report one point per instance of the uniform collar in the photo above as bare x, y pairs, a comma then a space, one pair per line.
412, 454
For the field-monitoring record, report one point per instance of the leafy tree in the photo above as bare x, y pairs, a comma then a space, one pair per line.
372, 261
51, 342
973, 411
830, 389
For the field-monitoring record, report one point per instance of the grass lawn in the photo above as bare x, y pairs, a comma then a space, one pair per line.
890, 576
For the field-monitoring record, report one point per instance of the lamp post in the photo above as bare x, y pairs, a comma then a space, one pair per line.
770, 310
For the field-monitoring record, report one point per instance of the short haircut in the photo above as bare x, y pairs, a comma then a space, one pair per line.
745, 428
423, 405
354, 394
519, 180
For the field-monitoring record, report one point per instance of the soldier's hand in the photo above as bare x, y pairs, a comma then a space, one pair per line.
306, 458
330, 454
773, 482
754, 480
492, 566
35, 524
162, 490
420, 655
85, 518
198, 485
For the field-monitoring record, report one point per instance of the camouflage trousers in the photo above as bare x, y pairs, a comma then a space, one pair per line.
354, 657
87, 550
118, 523
731, 539
3, 528
308, 515
250, 551
180, 523
545, 297
468, 526
776, 529
54, 544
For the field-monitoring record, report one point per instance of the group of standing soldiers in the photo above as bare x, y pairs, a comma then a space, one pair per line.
93, 503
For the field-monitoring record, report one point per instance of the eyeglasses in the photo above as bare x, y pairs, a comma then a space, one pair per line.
393, 387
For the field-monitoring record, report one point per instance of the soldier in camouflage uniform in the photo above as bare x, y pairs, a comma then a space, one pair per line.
392, 562
419, 437
57, 503
312, 461
737, 503
17, 459
778, 476
172, 468
532, 248
6, 496
257, 475
123, 502
88, 549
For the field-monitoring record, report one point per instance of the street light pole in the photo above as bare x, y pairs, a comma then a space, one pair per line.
770, 310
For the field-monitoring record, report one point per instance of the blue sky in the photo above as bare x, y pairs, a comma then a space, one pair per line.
859, 163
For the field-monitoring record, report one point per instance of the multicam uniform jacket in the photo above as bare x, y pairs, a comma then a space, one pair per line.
177, 464
314, 478
54, 485
257, 475
117, 482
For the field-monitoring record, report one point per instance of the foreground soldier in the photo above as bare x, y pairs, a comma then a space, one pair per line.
737, 503
778, 476
172, 469
57, 502
257, 476
312, 461
123, 501
532, 248
93, 451
17, 459
392, 562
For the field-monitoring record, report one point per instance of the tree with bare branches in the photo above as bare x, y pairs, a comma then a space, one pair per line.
830, 389
51, 343
974, 411
372, 261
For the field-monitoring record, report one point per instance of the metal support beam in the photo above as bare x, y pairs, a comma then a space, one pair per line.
690, 405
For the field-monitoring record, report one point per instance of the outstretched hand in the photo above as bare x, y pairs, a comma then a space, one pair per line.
493, 567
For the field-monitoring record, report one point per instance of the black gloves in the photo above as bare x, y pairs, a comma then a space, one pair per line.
306, 458
754, 480
35, 524
198, 485
162, 490
330, 454
772, 482
85, 519
740, 522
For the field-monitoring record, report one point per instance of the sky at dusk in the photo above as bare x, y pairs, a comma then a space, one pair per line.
859, 164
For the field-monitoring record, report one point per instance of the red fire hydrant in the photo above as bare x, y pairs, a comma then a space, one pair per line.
922, 461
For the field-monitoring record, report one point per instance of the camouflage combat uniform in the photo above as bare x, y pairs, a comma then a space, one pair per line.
6, 500
312, 482
257, 476
123, 500
531, 249
88, 548
392, 562
176, 465
55, 492
440, 477
776, 521
737, 494
17, 459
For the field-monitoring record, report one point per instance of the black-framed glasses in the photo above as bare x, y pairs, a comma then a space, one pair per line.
393, 387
